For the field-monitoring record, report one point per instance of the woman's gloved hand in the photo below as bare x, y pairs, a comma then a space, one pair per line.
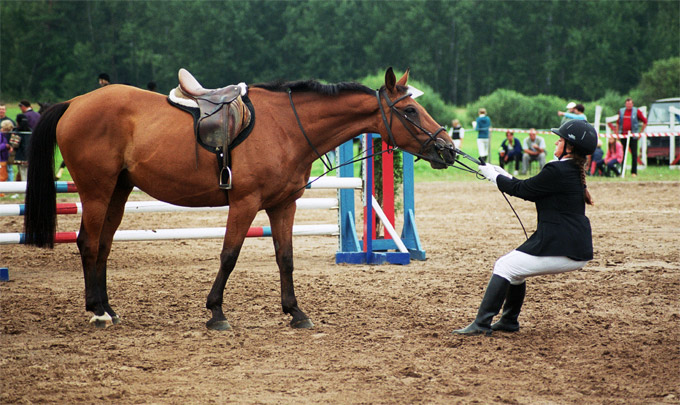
489, 172
501, 171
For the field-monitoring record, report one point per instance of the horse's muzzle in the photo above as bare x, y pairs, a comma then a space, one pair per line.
442, 154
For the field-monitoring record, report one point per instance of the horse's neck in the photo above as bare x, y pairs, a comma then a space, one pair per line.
332, 121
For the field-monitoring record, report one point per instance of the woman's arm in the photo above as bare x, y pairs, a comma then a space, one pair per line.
547, 181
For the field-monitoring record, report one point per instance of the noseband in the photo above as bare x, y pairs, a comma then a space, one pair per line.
432, 137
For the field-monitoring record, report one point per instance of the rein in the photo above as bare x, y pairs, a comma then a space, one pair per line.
328, 164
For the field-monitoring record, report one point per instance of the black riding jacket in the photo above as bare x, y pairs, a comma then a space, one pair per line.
563, 228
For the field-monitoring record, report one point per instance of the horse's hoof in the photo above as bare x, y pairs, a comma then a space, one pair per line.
102, 321
302, 324
218, 325
115, 319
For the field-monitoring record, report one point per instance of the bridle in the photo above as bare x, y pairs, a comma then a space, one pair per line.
439, 144
404, 118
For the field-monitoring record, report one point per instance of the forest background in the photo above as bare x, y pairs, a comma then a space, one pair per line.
522, 60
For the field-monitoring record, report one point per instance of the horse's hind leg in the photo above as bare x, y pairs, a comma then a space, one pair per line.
281, 221
94, 242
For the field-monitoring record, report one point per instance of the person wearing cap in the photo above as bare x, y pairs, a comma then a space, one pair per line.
104, 79
32, 116
576, 112
563, 238
570, 109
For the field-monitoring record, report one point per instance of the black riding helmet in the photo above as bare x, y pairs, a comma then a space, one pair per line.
580, 134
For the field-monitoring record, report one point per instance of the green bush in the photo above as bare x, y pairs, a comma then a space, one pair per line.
510, 109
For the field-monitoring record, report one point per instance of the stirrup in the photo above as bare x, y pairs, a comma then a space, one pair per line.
225, 183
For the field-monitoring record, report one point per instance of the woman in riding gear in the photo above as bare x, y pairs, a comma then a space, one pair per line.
563, 238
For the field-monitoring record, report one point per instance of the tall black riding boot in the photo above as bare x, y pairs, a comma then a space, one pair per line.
511, 309
491, 304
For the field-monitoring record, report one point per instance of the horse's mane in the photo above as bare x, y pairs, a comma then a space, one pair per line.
315, 86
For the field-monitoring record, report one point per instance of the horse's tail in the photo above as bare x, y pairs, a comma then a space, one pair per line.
40, 216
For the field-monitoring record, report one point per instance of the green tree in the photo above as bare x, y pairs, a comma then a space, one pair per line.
661, 81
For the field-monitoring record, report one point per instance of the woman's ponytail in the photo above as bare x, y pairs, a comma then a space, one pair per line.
581, 163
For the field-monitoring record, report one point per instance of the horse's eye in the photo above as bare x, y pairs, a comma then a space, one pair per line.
410, 111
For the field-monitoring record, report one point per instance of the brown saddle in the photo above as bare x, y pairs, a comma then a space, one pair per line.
223, 115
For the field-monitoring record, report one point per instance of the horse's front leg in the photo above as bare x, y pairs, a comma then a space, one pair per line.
238, 224
281, 220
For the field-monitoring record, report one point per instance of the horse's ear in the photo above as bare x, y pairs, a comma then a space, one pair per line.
404, 78
390, 79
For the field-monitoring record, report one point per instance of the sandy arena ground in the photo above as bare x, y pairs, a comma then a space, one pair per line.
606, 334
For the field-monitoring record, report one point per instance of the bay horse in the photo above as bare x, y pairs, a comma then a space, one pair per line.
118, 137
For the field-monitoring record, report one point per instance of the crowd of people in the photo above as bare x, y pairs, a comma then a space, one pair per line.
15, 137
519, 155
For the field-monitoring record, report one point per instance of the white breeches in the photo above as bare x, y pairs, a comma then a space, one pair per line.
483, 147
516, 266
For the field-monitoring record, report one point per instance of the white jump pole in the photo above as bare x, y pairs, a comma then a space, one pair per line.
182, 233
133, 207
388, 226
19, 187
625, 157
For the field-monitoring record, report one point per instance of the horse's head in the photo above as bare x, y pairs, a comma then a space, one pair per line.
416, 132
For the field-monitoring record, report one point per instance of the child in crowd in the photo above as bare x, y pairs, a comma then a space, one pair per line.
614, 157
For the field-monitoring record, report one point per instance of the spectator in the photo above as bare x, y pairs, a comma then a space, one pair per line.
3, 115
534, 149
576, 113
482, 125
629, 122
570, 109
5, 128
104, 79
510, 150
10, 160
614, 157
596, 164
32, 116
20, 143
457, 132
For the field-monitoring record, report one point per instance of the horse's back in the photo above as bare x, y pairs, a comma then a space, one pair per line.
121, 128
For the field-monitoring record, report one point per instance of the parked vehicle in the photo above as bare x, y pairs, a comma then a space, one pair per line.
659, 120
